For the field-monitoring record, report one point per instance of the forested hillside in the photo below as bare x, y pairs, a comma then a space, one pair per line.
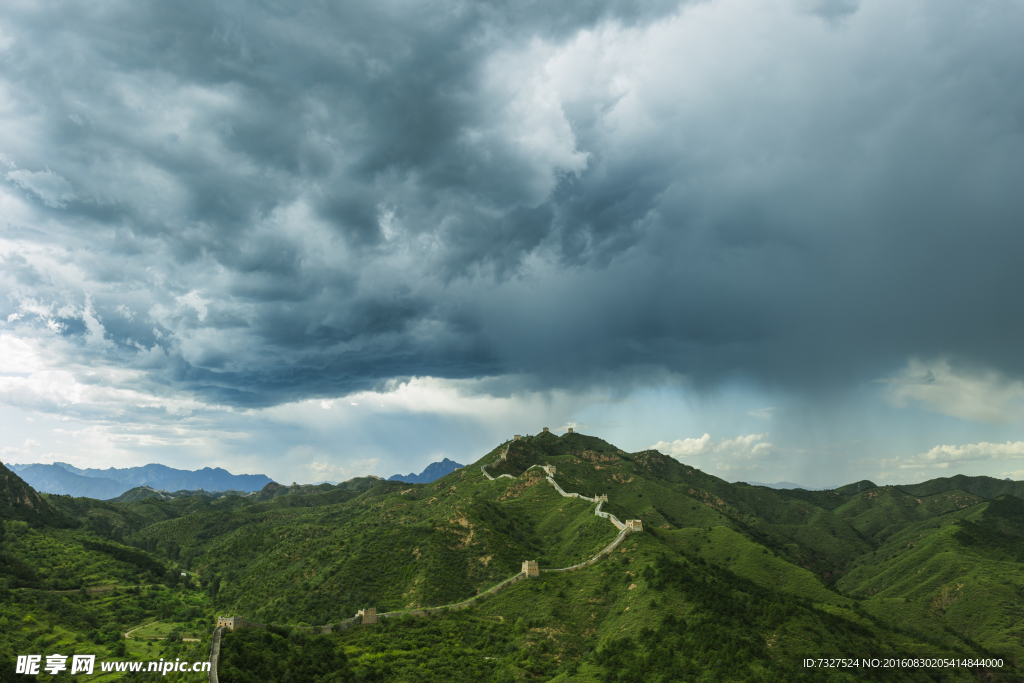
725, 582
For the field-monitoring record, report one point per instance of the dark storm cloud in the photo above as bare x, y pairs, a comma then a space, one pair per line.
265, 202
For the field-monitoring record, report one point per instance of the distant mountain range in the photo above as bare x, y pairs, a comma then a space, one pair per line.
434, 471
20, 502
64, 479
783, 485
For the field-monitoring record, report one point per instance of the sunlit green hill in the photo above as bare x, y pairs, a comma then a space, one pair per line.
725, 582
983, 487
883, 511
68, 585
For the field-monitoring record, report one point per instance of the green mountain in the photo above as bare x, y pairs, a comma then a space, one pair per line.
986, 487
19, 501
143, 492
725, 581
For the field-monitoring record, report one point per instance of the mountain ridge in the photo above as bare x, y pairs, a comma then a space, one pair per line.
432, 472
103, 484
19, 501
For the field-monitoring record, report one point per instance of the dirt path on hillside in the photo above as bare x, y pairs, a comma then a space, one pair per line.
128, 634
90, 591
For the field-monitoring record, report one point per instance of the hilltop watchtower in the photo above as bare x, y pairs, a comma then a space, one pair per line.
600, 497
634, 525
570, 431
550, 469
369, 615
231, 623
546, 429
530, 568
517, 437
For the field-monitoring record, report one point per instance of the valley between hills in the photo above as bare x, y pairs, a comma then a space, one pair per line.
726, 582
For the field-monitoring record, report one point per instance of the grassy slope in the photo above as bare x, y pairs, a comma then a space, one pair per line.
939, 576
646, 614
884, 511
745, 567
399, 545
782, 543
46, 613
737, 553
983, 487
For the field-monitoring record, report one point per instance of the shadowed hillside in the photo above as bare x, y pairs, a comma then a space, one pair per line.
20, 501
725, 582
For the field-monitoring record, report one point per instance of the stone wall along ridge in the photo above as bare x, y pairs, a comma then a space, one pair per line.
604, 553
215, 653
504, 455
521, 576
609, 516
458, 605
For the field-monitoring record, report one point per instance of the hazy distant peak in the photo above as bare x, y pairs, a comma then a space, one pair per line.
782, 485
65, 479
433, 472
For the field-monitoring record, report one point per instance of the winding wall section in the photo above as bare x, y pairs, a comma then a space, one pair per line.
215, 653
348, 623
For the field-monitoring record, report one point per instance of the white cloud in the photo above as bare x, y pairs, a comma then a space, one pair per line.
17, 356
322, 470
980, 395
95, 333
532, 130
196, 302
48, 374
749, 446
29, 443
436, 396
54, 190
945, 455
686, 447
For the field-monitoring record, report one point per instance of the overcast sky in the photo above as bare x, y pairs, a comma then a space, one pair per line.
779, 240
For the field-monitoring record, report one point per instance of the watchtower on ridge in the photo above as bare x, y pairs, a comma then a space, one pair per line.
530, 568
231, 623
546, 429
369, 615
570, 431
634, 525
550, 469
599, 497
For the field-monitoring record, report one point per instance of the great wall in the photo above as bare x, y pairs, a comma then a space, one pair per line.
529, 569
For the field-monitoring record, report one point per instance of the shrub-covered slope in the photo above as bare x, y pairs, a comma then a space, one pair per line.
20, 501
726, 582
